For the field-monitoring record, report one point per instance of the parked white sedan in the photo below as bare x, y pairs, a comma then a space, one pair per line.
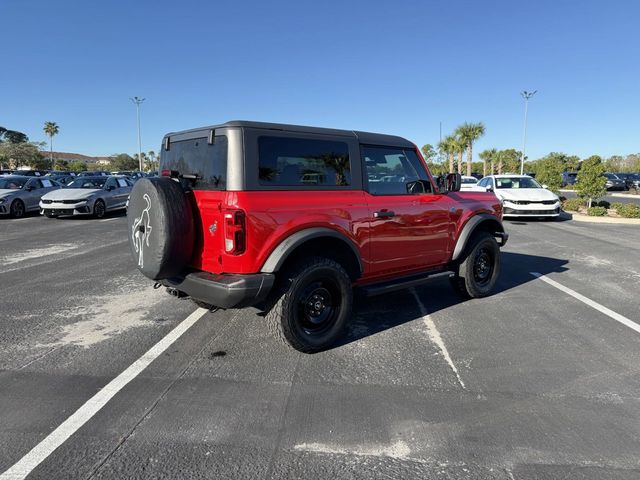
521, 196
468, 183
87, 196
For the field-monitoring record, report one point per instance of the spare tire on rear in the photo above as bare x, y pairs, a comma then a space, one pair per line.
161, 227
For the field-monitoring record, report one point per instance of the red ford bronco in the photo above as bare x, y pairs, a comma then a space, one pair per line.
291, 219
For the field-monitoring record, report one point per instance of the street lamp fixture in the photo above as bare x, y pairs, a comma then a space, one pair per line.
526, 95
137, 101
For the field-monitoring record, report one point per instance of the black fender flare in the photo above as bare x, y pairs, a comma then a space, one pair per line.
471, 226
278, 256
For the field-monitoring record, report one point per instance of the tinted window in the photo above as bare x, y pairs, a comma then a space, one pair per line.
35, 184
12, 183
390, 169
517, 182
299, 162
195, 158
111, 183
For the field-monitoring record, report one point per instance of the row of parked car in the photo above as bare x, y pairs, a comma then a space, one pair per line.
87, 193
615, 181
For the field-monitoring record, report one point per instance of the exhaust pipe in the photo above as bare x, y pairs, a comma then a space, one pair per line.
175, 292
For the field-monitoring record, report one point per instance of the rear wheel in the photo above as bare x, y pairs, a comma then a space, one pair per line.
313, 305
99, 209
480, 268
17, 208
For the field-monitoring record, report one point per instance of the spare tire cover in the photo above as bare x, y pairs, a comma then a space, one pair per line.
161, 227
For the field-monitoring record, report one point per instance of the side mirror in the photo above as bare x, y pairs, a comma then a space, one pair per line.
489, 188
29, 188
108, 188
453, 182
418, 187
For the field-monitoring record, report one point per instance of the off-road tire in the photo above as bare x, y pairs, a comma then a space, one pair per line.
316, 280
479, 270
99, 209
17, 208
161, 227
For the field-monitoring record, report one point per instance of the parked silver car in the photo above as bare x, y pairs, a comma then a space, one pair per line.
87, 196
20, 194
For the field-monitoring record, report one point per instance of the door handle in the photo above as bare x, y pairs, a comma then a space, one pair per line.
384, 214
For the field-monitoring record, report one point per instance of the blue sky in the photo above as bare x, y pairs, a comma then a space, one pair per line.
398, 67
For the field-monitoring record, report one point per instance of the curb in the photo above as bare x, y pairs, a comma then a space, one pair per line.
625, 195
578, 217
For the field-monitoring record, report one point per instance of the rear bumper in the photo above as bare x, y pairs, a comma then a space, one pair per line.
223, 290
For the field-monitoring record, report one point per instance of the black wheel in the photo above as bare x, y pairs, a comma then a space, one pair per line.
99, 209
313, 305
480, 267
17, 208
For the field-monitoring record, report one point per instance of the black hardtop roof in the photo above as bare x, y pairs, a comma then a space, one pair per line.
363, 137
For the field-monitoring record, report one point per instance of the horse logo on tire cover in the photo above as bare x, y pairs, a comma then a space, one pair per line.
141, 230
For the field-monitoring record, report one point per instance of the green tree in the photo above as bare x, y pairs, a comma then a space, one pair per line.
469, 133
458, 146
61, 165
12, 136
428, 152
51, 129
491, 157
153, 156
508, 161
449, 146
549, 172
77, 166
591, 184
124, 162
19, 154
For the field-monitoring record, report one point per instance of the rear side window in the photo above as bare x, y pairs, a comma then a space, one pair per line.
298, 162
196, 158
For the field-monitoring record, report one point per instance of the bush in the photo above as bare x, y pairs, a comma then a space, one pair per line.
617, 205
601, 203
573, 204
628, 210
596, 211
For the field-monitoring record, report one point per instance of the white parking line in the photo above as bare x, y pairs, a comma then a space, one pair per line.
72, 424
601, 308
436, 338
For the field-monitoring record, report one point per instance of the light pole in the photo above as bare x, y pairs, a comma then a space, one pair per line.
526, 95
138, 101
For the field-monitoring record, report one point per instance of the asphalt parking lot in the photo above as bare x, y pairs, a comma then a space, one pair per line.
531, 383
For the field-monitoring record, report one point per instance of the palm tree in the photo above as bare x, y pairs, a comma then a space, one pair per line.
469, 133
51, 129
448, 145
491, 156
458, 147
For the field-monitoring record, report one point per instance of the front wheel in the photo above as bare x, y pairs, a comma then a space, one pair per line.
313, 306
99, 209
478, 273
17, 209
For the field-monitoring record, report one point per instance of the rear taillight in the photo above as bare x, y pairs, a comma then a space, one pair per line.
235, 232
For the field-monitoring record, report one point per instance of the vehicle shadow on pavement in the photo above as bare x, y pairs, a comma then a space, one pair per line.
377, 314
86, 218
564, 217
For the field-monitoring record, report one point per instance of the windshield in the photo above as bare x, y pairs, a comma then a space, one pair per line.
469, 180
12, 183
517, 182
87, 182
611, 176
